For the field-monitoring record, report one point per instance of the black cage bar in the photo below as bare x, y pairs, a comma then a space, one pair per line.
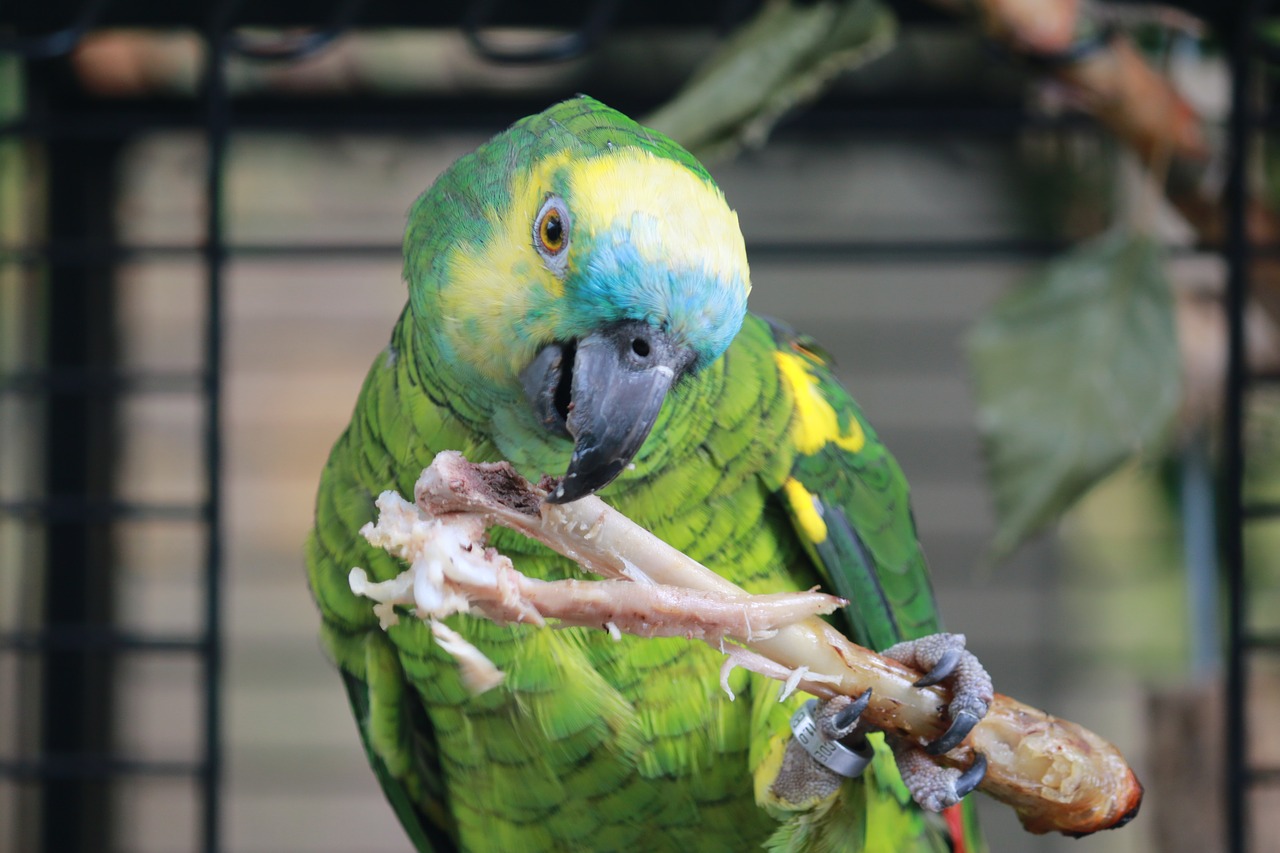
1248, 50
81, 384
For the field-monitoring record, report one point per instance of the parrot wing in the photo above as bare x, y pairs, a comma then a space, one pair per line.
426, 834
398, 739
850, 504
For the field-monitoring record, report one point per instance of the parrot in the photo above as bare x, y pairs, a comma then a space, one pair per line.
577, 291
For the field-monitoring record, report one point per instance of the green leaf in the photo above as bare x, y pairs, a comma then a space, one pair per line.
785, 56
1076, 371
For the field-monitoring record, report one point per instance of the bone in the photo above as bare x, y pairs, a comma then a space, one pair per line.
1057, 775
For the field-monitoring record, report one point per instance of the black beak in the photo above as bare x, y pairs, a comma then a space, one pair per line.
605, 392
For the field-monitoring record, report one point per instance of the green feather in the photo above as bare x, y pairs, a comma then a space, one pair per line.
591, 743
871, 554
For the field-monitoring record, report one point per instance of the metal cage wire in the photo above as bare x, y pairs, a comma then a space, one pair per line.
80, 385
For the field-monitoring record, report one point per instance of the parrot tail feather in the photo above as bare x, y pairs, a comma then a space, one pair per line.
954, 816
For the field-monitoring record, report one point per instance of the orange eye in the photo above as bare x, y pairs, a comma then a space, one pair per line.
551, 235
551, 231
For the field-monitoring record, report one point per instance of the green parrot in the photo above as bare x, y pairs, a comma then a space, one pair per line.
577, 292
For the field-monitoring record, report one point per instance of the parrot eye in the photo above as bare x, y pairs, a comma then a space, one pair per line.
551, 232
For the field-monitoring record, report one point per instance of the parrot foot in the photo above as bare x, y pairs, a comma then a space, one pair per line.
947, 660
825, 749
932, 786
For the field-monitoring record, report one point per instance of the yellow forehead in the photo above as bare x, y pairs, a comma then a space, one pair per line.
672, 214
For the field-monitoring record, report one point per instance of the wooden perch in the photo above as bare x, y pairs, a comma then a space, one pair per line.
1057, 775
1101, 66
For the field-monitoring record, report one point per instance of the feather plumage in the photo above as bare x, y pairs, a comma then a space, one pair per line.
759, 466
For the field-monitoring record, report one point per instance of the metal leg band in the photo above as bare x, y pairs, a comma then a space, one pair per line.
831, 754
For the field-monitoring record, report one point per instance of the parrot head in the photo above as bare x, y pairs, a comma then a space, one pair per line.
578, 266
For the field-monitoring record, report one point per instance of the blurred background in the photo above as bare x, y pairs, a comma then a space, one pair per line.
1037, 237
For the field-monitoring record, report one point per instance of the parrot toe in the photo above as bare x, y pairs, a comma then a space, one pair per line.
932, 786
949, 663
825, 749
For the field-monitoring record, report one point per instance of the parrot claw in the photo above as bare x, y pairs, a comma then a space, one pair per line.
972, 777
961, 724
943, 668
947, 660
839, 719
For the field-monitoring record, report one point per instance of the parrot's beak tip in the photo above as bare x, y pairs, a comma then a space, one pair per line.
557, 494
582, 480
